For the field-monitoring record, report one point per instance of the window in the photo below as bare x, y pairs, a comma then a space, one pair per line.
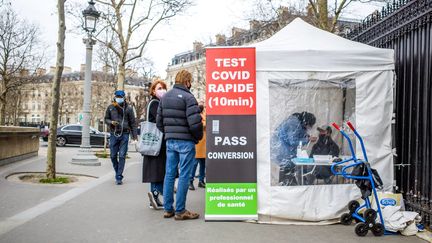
74, 128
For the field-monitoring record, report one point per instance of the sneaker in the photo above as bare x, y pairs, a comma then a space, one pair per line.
119, 182
186, 215
158, 202
201, 184
152, 200
191, 186
158, 208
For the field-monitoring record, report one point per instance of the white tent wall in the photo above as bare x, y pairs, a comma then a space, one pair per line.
321, 203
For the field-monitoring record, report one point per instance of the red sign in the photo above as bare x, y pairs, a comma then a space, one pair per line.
231, 82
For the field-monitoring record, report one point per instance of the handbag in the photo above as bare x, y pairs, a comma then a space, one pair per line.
150, 140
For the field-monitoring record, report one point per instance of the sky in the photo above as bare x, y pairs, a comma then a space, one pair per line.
200, 22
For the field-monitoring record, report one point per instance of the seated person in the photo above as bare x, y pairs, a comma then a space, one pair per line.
324, 146
285, 140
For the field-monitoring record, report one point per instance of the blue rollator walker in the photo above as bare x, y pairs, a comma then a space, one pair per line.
367, 179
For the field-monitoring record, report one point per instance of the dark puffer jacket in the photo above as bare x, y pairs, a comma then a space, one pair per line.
115, 113
178, 115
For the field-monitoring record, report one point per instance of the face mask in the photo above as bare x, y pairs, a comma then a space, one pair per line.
119, 100
160, 93
322, 136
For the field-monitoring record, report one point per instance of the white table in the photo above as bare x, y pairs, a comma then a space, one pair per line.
315, 163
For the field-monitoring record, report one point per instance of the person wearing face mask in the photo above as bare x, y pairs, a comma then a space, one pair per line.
179, 118
324, 146
120, 118
153, 170
285, 140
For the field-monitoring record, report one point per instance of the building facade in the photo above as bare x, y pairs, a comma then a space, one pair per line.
33, 104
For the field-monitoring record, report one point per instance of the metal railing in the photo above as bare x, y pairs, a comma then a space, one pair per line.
405, 26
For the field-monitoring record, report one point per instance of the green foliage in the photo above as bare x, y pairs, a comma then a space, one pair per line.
57, 180
102, 154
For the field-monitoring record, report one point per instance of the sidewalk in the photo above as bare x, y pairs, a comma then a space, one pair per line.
104, 212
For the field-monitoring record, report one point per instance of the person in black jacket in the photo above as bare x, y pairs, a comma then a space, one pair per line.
154, 166
324, 146
179, 118
120, 118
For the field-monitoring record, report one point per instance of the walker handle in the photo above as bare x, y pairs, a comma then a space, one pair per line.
351, 126
336, 126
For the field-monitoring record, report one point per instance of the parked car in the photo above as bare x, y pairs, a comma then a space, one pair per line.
44, 131
71, 134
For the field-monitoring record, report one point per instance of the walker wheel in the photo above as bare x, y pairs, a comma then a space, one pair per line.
346, 219
361, 229
378, 229
353, 205
370, 215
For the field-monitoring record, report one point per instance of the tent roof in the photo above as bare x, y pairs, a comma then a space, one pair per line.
302, 47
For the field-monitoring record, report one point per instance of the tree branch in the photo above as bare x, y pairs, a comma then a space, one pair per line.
338, 11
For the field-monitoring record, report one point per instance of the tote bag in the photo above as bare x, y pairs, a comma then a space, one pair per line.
150, 140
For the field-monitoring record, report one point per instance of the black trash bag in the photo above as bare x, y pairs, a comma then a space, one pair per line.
365, 185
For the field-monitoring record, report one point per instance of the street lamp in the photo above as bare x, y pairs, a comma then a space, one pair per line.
91, 16
85, 156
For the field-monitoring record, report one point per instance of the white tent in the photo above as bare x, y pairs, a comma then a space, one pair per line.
303, 68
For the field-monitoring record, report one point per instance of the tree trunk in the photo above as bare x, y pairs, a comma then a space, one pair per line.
51, 153
17, 110
2, 113
121, 76
3, 104
323, 14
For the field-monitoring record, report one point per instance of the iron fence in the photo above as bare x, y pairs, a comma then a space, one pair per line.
405, 26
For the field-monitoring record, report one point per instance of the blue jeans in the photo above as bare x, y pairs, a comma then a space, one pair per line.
118, 150
181, 155
156, 186
201, 175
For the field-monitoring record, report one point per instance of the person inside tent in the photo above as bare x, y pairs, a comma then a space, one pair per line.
285, 140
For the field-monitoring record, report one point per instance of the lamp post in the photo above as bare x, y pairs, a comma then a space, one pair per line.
85, 156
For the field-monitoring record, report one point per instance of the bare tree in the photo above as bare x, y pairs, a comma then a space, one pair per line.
106, 58
21, 54
14, 107
271, 12
140, 103
51, 153
322, 17
145, 69
131, 23
321, 13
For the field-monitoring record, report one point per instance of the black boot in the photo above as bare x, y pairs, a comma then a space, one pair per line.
201, 184
191, 186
